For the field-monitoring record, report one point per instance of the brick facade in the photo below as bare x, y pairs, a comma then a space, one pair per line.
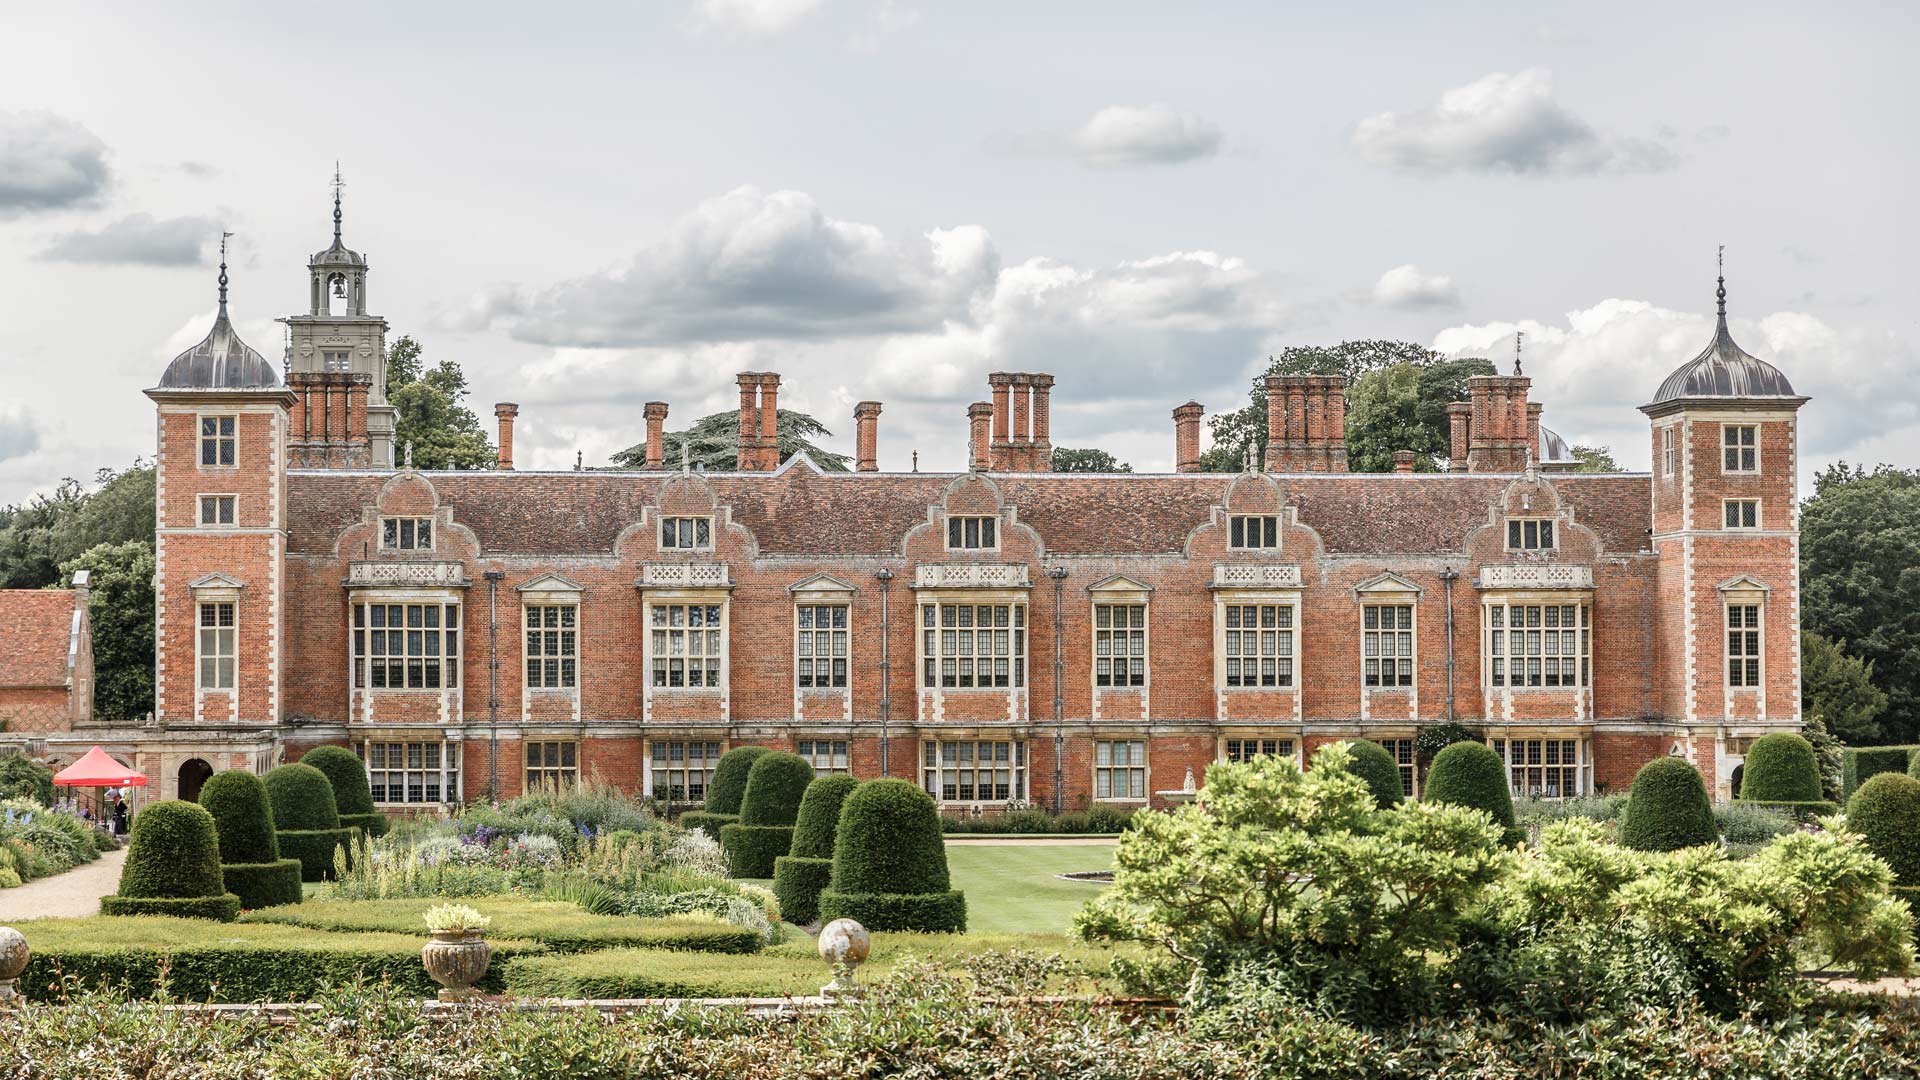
46, 667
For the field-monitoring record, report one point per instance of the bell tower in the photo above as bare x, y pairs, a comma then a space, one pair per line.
337, 364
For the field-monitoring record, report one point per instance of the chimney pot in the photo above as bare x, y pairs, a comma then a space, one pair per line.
866, 422
1186, 436
504, 412
656, 414
980, 415
1403, 461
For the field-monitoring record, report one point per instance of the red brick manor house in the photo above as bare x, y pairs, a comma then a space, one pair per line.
1004, 633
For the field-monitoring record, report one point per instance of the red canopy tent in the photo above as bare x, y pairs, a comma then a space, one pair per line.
96, 769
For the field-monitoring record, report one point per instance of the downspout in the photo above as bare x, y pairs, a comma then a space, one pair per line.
494, 578
1449, 575
1058, 574
886, 697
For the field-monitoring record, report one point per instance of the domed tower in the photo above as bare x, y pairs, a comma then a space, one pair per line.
1726, 532
337, 364
220, 513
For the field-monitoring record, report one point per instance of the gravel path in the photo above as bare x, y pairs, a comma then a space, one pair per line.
74, 893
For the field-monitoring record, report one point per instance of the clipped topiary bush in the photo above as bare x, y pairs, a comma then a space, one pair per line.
775, 784
351, 795
889, 864
173, 867
305, 821
1781, 768
800, 875
1471, 774
1913, 767
1668, 808
1370, 761
1858, 764
250, 861
724, 792
1886, 811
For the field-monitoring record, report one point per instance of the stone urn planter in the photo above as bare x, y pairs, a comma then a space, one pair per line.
457, 959
13, 961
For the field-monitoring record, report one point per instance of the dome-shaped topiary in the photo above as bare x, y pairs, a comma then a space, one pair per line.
725, 791
764, 832
1886, 811
352, 797
306, 821
173, 866
890, 863
1370, 761
1781, 767
1668, 808
800, 875
250, 861
1471, 774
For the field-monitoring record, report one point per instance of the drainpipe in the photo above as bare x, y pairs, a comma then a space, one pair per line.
886, 698
1449, 575
494, 578
1058, 574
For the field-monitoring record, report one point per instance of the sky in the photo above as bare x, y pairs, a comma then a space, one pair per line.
594, 205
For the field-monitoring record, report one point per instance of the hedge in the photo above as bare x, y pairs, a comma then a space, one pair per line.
729, 784
222, 908
302, 799
1801, 809
797, 884
1370, 761
1886, 811
890, 863
263, 885
1472, 774
1668, 808
626, 973
752, 849
314, 849
1780, 767
560, 926
707, 821
799, 877
931, 913
173, 866
237, 799
1858, 764
352, 798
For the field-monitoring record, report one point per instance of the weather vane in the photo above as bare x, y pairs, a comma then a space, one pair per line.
1519, 339
1720, 294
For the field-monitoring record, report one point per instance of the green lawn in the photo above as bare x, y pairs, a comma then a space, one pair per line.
1011, 889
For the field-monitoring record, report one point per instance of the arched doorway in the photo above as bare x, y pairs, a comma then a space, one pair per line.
193, 773
1739, 774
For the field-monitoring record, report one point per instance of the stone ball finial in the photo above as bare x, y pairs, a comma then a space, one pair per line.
844, 945
14, 955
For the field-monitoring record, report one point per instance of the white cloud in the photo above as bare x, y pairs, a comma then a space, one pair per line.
1592, 371
1503, 123
1408, 286
19, 434
1125, 135
138, 240
753, 266
757, 17
48, 162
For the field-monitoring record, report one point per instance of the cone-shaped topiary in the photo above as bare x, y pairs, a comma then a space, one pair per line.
250, 861
1886, 811
306, 823
1471, 774
1668, 808
800, 875
1370, 761
173, 866
725, 791
1781, 767
890, 863
351, 795
764, 832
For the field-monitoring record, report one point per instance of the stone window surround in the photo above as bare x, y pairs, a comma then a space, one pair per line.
1744, 591
1727, 430
1123, 771
202, 439
1759, 518
231, 505
1509, 600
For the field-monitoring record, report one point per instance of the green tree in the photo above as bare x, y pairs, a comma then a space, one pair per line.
1595, 459
1404, 407
120, 608
40, 534
1860, 576
1839, 690
1088, 460
443, 432
713, 444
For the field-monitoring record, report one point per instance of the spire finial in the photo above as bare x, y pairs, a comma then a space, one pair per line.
223, 272
337, 185
1519, 338
1720, 294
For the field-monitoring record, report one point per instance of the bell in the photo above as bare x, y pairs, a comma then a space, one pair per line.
340, 288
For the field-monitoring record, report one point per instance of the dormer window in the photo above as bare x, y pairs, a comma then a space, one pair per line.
1530, 534
1740, 450
1254, 531
686, 534
972, 534
406, 534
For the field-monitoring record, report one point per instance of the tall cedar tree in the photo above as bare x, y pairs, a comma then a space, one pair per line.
445, 434
713, 444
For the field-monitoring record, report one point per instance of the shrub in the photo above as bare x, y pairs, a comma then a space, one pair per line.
798, 882
1810, 811
1913, 766
1780, 768
1886, 811
889, 863
314, 849
21, 777
560, 926
352, 798
1742, 822
775, 784
302, 798
250, 861
1370, 761
729, 784
1472, 774
1858, 764
1437, 737
801, 875
622, 973
752, 849
1668, 808
707, 821
173, 867
264, 885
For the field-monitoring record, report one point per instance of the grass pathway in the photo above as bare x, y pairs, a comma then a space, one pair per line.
75, 893
1011, 887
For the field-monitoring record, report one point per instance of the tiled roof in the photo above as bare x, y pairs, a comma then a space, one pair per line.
798, 512
39, 629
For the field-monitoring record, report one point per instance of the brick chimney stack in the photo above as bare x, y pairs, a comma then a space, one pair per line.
1499, 424
1000, 383
1020, 454
1534, 409
759, 421
979, 450
504, 412
1403, 461
1458, 414
1022, 418
656, 413
1041, 459
866, 439
1186, 436
1306, 423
